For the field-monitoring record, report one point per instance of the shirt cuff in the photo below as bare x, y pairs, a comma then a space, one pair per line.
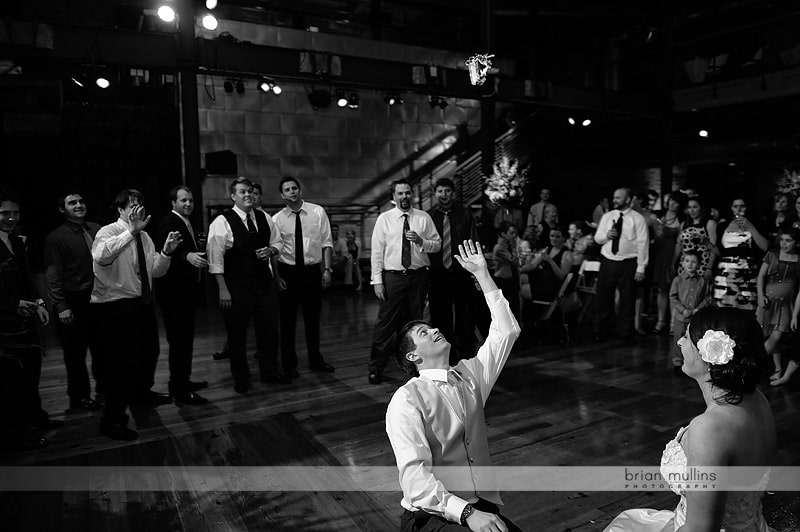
640, 268
168, 257
212, 269
494, 297
454, 509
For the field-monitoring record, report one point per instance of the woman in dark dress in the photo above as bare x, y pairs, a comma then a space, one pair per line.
668, 227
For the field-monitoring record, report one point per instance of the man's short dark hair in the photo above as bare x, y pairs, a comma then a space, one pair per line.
445, 182
403, 345
173, 194
126, 196
393, 185
6, 194
239, 181
257, 186
63, 198
287, 179
692, 253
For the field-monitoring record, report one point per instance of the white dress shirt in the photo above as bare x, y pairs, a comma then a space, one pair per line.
316, 233
634, 240
433, 422
116, 263
220, 238
536, 213
387, 241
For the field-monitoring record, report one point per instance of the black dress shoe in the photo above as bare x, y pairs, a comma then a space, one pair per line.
190, 398
85, 404
322, 366
374, 378
118, 432
48, 424
241, 387
220, 355
194, 386
156, 399
276, 377
293, 374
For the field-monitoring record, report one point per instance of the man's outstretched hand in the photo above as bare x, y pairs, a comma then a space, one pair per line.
471, 258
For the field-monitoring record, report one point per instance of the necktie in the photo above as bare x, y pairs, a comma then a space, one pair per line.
299, 259
615, 242
191, 233
406, 256
447, 251
147, 294
251, 226
88, 239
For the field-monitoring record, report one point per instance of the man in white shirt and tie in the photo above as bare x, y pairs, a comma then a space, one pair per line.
536, 213
623, 235
435, 422
241, 242
302, 270
401, 241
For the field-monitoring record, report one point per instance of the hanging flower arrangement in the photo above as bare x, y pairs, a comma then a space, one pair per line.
789, 183
506, 185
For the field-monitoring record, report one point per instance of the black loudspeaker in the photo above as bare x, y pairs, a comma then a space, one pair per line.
221, 162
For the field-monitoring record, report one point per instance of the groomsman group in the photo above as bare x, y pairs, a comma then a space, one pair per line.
103, 282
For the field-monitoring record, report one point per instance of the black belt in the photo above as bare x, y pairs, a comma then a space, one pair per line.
408, 272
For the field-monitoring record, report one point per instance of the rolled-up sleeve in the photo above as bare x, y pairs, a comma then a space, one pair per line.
220, 240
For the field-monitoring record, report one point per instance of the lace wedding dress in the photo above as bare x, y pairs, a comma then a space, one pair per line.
742, 508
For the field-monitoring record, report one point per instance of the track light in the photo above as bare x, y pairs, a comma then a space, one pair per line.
211, 4
586, 123
209, 22
102, 82
269, 85
276, 89
77, 82
393, 98
228, 86
239, 86
571, 121
438, 101
703, 133
443, 103
353, 100
341, 98
166, 13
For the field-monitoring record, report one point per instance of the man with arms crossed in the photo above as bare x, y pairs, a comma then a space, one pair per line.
436, 419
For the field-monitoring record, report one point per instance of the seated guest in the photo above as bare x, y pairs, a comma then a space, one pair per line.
125, 264
549, 267
506, 266
549, 219
580, 240
20, 349
436, 419
70, 278
724, 353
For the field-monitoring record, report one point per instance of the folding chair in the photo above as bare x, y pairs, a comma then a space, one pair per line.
551, 305
588, 275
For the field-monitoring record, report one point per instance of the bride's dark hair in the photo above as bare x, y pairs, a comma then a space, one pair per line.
741, 375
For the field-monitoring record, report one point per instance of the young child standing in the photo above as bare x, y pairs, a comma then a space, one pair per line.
689, 293
777, 286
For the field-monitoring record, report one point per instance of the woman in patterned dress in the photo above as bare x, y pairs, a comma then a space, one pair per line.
700, 233
741, 248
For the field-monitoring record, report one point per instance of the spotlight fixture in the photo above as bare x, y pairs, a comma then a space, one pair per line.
166, 13
77, 81
438, 101
353, 100
341, 98
239, 86
102, 82
228, 86
443, 103
211, 4
571, 121
393, 98
209, 22
269, 85
703, 133
586, 123
319, 98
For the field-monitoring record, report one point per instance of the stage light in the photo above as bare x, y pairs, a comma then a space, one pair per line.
211, 4
571, 121
586, 123
102, 82
239, 86
77, 82
210, 22
703, 133
353, 100
166, 13
393, 98
276, 89
228, 86
319, 98
341, 98
434, 102
268, 85
443, 103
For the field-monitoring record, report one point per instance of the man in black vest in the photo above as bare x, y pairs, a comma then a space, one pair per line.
452, 289
241, 242
176, 294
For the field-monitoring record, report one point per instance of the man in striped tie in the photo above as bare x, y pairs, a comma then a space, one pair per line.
451, 288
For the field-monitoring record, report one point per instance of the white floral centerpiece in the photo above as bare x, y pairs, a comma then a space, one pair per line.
506, 185
790, 182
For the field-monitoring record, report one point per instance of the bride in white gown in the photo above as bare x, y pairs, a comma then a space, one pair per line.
723, 351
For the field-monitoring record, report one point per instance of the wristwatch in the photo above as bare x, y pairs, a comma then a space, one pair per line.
465, 513
329, 270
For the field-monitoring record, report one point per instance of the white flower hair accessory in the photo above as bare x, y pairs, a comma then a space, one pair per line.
716, 347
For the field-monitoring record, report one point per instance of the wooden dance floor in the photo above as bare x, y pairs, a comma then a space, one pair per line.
584, 404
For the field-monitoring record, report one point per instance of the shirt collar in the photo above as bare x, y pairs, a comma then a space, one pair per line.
400, 212
243, 215
182, 217
687, 275
75, 226
439, 374
288, 210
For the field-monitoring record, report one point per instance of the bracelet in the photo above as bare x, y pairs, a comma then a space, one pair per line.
465, 513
